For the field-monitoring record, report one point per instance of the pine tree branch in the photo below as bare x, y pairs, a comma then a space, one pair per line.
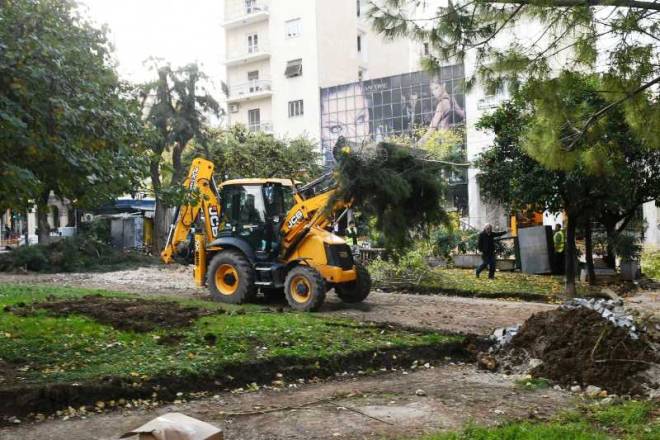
502, 25
633, 4
600, 113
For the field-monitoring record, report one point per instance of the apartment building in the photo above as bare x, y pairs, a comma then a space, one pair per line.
280, 53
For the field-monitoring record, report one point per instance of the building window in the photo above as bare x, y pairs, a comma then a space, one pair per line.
360, 74
427, 51
359, 43
358, 7
254, 119
253, 43
250, 6
296, 108
293, 28
253, 81
293, 68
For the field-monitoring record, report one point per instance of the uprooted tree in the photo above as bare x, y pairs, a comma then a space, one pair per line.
397, 186
67, 124
610, 194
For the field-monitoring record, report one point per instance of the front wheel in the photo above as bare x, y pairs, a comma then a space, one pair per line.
304, 289
231, 278
355, 291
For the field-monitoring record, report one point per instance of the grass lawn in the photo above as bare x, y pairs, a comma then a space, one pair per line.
42, 349
630, 420
510, 285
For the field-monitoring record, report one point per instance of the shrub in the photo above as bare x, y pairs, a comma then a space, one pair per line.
68, 255
651, 264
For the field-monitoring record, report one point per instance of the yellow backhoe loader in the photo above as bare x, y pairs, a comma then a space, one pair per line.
265, 234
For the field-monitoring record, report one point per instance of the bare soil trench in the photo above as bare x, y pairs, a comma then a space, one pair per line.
437, 312
392, 405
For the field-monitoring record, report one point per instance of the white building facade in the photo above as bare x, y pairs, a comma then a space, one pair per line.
280, 53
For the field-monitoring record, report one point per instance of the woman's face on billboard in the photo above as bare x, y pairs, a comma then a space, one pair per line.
347, 115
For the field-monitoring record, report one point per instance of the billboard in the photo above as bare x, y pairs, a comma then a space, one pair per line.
376, 109
379, 108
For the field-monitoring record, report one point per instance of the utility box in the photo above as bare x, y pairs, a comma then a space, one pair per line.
535, 245
127, 232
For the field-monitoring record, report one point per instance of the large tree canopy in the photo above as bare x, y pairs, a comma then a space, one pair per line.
510, 175
176, 110
66, 124
239, 152
512, 41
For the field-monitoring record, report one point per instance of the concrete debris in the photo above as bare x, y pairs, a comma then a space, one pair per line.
611, 310
592, 391
533, 363
503, 336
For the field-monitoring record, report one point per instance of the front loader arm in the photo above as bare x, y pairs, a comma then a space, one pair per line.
199, 177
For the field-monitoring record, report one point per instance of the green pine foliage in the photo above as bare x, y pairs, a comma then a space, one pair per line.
397, 187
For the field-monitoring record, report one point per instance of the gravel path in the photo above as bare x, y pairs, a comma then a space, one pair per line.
372, 407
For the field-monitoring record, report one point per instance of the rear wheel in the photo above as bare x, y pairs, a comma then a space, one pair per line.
355, 291
304, 289
230, 278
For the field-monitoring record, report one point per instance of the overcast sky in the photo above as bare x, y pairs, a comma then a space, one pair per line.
179, 31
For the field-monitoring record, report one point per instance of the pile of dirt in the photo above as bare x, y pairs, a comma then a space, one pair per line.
133, 314
579, 346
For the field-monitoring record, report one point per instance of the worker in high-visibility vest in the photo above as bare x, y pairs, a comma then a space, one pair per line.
559, 239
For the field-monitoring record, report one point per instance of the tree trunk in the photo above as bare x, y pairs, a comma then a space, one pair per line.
589, 251
571, 255
611, 253
160, 224
161, 227
42, 218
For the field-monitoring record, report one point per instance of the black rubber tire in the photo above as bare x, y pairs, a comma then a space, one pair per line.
316, 293
246, 290
358, 290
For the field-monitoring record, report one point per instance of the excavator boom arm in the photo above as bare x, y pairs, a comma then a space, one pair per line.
200, 178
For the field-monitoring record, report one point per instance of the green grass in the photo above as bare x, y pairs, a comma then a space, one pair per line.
651, 264
631, 420
49, 349
531, 384
510, 285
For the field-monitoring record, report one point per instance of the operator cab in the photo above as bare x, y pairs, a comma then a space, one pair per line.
253, 210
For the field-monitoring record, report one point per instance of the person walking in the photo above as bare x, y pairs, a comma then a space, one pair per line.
352, 234
486, 246
559, 240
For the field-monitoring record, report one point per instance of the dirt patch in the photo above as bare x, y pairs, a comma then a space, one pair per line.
579, 346
19, 400
132, 314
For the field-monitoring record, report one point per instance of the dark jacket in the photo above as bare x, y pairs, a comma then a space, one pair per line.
487, 242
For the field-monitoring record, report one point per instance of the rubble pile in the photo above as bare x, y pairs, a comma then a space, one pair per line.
583, 342
611, 310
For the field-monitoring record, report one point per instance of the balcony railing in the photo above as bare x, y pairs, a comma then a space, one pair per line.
245, 52
266, 127
250, 88
239, 12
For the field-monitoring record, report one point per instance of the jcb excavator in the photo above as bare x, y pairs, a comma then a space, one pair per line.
265, 234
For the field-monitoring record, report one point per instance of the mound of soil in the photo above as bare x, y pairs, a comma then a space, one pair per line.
579, 346
133, 314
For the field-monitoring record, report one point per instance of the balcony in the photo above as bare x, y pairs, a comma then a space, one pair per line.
251, 90
265, 127
242, 13
247, 54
